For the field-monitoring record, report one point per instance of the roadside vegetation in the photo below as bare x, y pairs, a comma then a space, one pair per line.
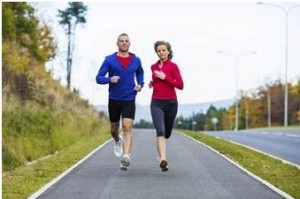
26, 180
283, 176
46, 128
31, 131
255, 109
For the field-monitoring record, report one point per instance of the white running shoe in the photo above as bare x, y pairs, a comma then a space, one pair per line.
125, 161
118, 149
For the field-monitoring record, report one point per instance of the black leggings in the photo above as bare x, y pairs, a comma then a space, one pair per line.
163, 114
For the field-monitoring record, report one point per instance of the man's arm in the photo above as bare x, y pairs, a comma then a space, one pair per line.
100, 78
140, 74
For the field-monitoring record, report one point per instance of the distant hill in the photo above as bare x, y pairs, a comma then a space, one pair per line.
185, 110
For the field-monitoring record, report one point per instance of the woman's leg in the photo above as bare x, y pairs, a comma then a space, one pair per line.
171, 112
161, 147
157, 114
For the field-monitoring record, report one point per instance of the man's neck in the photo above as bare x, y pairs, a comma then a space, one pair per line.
123, 54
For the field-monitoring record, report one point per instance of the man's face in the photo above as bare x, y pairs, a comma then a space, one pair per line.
123, 43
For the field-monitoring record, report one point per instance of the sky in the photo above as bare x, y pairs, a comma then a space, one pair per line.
197, 31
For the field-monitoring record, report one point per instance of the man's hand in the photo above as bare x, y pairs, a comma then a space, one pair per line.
114, 79
138, 88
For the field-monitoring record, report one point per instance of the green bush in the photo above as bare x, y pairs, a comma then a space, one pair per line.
32, 131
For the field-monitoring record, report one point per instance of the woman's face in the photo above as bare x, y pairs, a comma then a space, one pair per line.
162, 52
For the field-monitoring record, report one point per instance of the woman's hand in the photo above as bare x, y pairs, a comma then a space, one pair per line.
150, 84
159, 74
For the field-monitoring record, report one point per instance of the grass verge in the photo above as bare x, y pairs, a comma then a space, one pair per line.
24, 181
283, 176
277, 127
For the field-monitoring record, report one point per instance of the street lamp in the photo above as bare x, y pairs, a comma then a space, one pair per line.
269, 106
236, 57
193, 125
286, 11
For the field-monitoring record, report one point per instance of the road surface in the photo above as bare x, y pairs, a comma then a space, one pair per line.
194, 172
284, 144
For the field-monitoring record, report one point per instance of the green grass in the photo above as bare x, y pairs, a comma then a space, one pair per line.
31, 132
283, 176
24, 181
277, 127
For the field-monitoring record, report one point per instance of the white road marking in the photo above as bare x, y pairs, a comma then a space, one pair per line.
292, 135
51, 183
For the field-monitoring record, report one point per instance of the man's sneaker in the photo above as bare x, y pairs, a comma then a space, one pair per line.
123, 168
164, 165
118, 149
125, 161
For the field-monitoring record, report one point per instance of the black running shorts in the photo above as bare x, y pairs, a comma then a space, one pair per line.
116, 109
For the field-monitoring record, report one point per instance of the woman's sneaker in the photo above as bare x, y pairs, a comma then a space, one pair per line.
164, 165
118, 149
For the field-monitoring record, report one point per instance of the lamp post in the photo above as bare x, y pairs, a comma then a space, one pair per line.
193, 125
286, 11
236, 57
269, 106
246, 112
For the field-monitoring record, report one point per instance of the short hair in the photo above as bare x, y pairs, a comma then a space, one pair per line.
122, 34
167, 44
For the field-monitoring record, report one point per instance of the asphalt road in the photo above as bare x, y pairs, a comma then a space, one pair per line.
194, 172
284, 144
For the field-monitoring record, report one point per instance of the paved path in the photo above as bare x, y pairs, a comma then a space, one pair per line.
282, 143
194, 172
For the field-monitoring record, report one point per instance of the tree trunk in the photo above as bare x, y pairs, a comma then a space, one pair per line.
69, 59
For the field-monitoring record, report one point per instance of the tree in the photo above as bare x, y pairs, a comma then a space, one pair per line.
26, 46
73, 15
21, 26
210, 113
294, 103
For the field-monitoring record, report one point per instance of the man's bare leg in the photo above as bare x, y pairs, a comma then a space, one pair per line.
127, 125
127, 132
114, 130
118, 148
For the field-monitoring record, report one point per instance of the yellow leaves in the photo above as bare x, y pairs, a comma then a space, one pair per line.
231, 113
18, 60
13, 58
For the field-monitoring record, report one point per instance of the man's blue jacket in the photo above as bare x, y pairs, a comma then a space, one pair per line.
124, 89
